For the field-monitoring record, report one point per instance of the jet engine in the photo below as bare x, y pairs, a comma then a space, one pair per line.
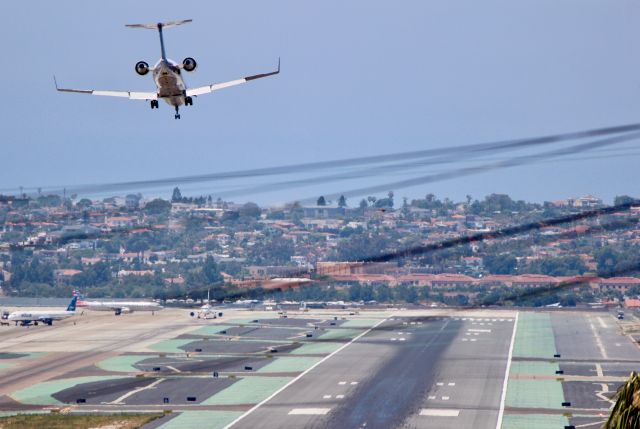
142, 68
189, 64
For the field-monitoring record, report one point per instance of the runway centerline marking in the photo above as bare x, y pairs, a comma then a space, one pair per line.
326, 397
305, 372
434, 412
342, 382
506, 374
309, 411
601, 322
603, 351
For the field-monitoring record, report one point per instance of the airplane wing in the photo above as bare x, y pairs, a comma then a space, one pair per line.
132, 95
216, 86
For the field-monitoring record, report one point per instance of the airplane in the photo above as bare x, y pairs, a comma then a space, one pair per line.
168, 77
25, 318
206, 311
119, 307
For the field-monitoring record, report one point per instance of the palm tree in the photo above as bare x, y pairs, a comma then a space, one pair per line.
626, 412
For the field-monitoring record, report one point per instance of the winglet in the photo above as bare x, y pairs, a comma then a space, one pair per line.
278, 64
55, 82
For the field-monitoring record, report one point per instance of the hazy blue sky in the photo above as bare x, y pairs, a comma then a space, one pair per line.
359, 77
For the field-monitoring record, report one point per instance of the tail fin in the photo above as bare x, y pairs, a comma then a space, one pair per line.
72, 304
158, 25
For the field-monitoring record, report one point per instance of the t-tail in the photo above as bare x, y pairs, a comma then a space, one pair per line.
72, 304
159, 26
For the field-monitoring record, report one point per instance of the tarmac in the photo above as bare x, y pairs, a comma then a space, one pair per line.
431, 368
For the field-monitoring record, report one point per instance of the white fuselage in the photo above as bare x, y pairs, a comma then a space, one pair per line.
168, 78
120, 306
24, 316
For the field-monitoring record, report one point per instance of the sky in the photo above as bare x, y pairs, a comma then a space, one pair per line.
358, 78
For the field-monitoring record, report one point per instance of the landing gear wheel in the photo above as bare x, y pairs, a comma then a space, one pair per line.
177, 116
154, 104
188, 101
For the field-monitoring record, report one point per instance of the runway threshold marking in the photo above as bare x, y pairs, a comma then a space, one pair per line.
308, 412
503, 397
434, 412
330, 355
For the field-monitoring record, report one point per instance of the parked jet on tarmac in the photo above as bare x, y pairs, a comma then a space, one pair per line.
25, 318
168, 77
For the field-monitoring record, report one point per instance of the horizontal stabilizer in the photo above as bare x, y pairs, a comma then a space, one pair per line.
157, 25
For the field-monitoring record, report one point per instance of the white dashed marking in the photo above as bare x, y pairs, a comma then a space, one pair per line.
439, 384
479, 330
445, 398
431, 397
342, 383
432, 412
326, 397
474, 339
353, 383
309, 411
451, 384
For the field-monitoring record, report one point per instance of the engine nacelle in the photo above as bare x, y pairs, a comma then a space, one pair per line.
189, 64
142, 68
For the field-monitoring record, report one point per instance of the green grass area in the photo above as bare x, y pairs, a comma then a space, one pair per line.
534, 337
201, 419
360, 323
40, 393
66, 421
341, 334
533, 421
317, 348
534, 368
249, 390
122, 363
535, 394
171, 346
290, 364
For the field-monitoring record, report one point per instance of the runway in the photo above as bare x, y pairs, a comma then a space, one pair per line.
431, 368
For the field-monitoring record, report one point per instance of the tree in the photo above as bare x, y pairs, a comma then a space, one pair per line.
626, 412
342, 201
363, 204
176, 197
322, 201
210, 270
623, 199
250, 210
500, 264
158, 207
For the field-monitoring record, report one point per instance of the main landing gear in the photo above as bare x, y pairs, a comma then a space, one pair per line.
154, 104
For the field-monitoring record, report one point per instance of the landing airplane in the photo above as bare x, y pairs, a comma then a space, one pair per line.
207, 311
168, 77
25, 318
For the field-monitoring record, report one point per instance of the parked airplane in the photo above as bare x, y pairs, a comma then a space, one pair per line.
168, 77
25, 318
119, 307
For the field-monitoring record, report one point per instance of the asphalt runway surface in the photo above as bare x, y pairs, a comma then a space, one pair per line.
200, 364
416, 373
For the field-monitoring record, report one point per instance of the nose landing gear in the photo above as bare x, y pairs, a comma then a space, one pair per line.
177, 115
